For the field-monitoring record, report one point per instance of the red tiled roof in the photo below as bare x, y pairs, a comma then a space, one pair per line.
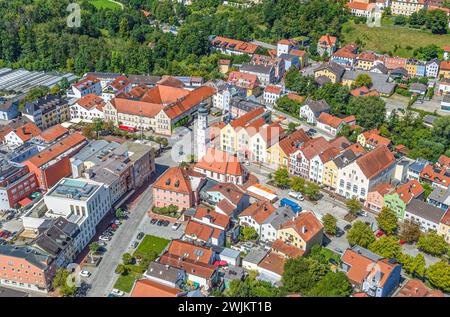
360, 5
27, 131
243, 80
174, 179
330, 120
220, 162
273, 263
231, 191
148, 288
446, 218
314, 147
86, 82
436, 175
376, 161
409, 190
240, 46
363, 91
289, 251
384, 189
192, 99
57, 149
358, 266
416, 288
271, 133
366, 56
273, 89
189, 251
53, 133
288, 144
191, 267
329, 154
214, 217
91, 101
305, 224
225, 206
199, 231
298, 53
246, 118
328, 40
375, 140
259, 211
444, 161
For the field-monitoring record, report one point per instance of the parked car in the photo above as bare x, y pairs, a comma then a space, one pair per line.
85, 273
176, 225
296, 195
117, 292
160, 222
363, 213
166, 223
379, 233
153, 221
333, 261
339, 232
401, 242
140, 235
347, 227
135, 244
102, 243
104, 238
338, 251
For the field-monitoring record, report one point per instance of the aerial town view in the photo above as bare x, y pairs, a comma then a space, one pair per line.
224, 149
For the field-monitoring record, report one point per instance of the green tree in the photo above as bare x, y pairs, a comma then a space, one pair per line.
386, 246
387, 220
439, 275
332, 285
311, 190
363, 80
353, 205
329, 223
370, 112
360, 234
119, 213
64, 282
93, 248
410, 231
248, 233
127, 258
301, 274
281, 178
297, 184
437, 21
122, 269
432, 243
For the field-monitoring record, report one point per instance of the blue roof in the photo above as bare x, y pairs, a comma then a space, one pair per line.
417, 166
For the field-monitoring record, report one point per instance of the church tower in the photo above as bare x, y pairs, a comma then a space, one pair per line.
202, 127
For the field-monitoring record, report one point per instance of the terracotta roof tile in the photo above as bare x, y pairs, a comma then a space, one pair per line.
305, 224
189, 251
416, 288
91, 101
289, 251
240, 46
174, 179
376, 161
273, 263
259, 211
27, 131
214, 217
288, 144
53, 133
409, 190
220, 162
330, 120
148, 288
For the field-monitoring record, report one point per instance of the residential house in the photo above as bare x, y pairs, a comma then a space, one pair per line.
332, 124
271, 268
395, 62
380, 82
266, 136
399, 199
118, 86
375, 199
444, 86
16, 184
276, 62
231, 46
346, 56
329, 72
26, 267
278, 154
445, 103
432, 68
255, 215
47, 111
358, 178
53, 134
365, 60
150, 288
326, 44
88, 107
274, 222
241, 106
9, 109
372, 139
299, 161
370, 273
19, 136
224, 65
165, 275
407, 7
272, 94
312, 109
221, 167
361, 9
444, 226
417, 288
425, 215
87, 85
435, 176
245, 81
444, 69
228, 198
179, 187
301, 232
264, 73
207, 226
415, 169
440, 198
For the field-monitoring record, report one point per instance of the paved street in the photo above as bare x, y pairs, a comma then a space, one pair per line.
104, 276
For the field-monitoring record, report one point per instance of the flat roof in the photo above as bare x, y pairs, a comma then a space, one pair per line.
73, 189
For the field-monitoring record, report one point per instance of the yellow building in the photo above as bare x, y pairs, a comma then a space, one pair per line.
278, 154
302, 232
332, 71
411, 68
330, 174
364, 64
406, 7
228, 139
444, 227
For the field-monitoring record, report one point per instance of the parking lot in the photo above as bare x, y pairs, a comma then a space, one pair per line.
161, 231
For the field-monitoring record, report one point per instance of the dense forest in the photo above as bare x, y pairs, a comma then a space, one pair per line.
34, 33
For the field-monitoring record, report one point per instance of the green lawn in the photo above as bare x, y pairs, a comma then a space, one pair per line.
391, 39
125, 282
151, 243
105, 4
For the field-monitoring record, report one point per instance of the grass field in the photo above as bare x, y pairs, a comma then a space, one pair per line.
151, 243
125, 282
391, 39
105, 4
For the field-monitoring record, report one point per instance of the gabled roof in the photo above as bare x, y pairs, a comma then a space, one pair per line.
327, 39
436, 175
305, 224
444, 161
213, 217
259, 211
273, 262
289, 143
91, 101
199, 230
375, 140
189, 251
384, 188
175, 179
149, 288
424, 210
445, 65
236, 45
317, 106
416, 288
231, 192
220, 162
27, 131
330, 120
409, 190
53, 133
376, 161
243, 80
288, 250
247, 118
314, 147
